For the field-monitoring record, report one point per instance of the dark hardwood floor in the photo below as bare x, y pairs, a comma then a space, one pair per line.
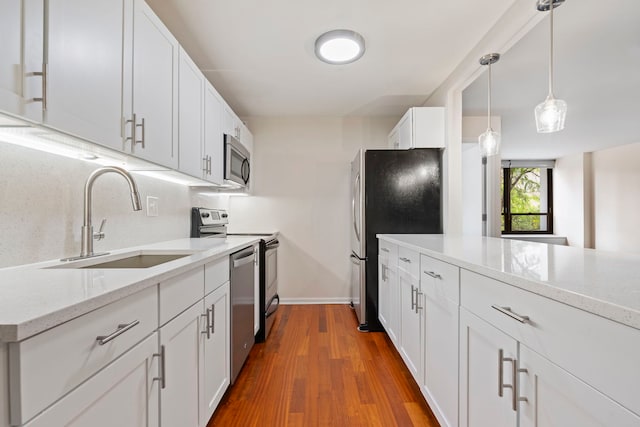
316, 369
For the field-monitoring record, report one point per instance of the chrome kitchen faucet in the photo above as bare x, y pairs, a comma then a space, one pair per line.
87, 228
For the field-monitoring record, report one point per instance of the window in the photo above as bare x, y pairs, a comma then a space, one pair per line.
527, 200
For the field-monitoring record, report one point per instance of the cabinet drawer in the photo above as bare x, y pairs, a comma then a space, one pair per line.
216, 273
409, 261
600, 352
47, 366
388, 255
179, 293
439, 279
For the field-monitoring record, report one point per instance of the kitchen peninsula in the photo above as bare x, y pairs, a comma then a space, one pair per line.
557, 329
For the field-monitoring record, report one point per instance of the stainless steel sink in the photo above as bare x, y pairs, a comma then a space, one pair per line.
138, 259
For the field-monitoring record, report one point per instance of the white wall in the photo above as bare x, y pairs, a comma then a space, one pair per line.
471, 189
568, 199
616, 180
41, 207
302, 174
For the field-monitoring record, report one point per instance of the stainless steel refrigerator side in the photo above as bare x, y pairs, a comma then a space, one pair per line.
358, 244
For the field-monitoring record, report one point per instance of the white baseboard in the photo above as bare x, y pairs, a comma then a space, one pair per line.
293, 301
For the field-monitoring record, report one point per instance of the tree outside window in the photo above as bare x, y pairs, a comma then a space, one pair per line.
526, 200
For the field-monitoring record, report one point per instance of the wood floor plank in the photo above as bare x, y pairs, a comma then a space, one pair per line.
317, 370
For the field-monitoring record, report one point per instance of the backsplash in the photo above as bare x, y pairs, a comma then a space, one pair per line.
41, 207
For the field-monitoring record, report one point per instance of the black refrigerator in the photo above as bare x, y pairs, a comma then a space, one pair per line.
392, 192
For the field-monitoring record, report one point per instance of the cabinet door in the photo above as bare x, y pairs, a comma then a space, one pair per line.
179, 340
557, 398
411, 303
155, 88
405, 131
216, 351
394, 141
213, 136
441, 357
84, 45
125, 393
11, 56
388, 298
191, 117
484, 401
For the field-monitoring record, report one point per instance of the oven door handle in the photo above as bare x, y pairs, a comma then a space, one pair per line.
242, 261
273, 302
272, 245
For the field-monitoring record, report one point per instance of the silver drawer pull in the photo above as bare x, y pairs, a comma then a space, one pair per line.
122, 328
384, 250
407, 260
433, 274
162, 378
207, 331
508, 312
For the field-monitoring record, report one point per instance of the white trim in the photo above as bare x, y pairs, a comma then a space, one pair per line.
306, 301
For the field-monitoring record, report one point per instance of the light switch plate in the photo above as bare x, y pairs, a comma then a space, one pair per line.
152, 206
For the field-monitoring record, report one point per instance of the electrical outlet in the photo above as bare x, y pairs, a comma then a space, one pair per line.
152, 206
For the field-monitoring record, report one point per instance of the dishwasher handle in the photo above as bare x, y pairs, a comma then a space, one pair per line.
242, 261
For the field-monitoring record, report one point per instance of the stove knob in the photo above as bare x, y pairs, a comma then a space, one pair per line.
224, 215
206, 215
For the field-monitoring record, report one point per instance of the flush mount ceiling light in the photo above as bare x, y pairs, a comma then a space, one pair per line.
490, 140
339, 47
551, 113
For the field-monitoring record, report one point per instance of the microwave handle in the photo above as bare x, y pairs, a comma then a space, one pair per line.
245, 163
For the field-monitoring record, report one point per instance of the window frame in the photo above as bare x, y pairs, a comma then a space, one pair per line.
506, 204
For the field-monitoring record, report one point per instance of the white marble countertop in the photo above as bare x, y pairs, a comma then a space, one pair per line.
34, 298
600, 282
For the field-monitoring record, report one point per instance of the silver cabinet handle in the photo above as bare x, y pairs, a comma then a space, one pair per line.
162, 377
209, 165
384, 272
134, 124
213, 319
207, 330
43, 74
433, 274
142, 139
501, 384
407, 260
418, 308
384, 250
413, 301
122, 328
205, 168
508, 312
516, 394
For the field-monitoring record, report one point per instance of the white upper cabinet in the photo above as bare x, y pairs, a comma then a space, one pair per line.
420, 127
11, 56
213, 136
191, 118
151, 89
83, 69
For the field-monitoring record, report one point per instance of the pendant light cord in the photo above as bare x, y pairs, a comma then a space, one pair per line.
489, 101
551, 7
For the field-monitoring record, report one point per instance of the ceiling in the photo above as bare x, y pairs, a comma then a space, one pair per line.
597, 72
260, 55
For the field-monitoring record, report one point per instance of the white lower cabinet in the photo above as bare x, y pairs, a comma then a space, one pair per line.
179, 347
125, 393
411, 315
557, 398
388, 291
440, 283
215, 351
486, 362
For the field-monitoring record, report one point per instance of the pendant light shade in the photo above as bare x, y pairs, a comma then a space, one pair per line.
551, 113
489, 140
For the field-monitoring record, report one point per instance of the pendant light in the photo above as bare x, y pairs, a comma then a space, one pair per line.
490, 139
551, 113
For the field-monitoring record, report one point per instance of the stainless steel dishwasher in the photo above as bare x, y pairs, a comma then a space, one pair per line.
241, 264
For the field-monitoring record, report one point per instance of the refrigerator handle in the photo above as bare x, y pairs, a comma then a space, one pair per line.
356, 187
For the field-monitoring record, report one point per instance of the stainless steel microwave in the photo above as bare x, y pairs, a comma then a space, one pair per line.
237, 162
